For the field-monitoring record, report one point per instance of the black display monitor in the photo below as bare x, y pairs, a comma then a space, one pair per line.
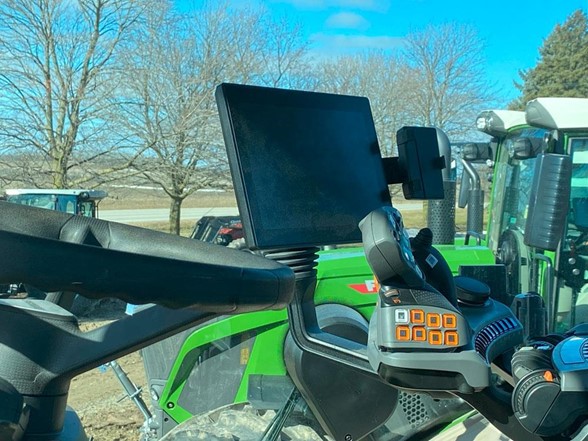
306, 166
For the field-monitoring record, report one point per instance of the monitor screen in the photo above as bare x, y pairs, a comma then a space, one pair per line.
306, 166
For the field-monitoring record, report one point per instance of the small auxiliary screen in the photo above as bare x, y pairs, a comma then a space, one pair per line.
306, 166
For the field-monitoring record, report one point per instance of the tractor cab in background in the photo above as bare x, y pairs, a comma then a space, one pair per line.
548, 125
72, 201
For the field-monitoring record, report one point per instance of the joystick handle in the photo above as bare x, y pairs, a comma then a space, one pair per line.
433, 265
388, 251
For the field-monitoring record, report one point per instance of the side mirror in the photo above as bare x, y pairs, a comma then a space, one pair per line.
522, 148
549, 201
525, 148
476, 151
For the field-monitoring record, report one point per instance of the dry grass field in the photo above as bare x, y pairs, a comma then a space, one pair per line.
129, 198
138, 198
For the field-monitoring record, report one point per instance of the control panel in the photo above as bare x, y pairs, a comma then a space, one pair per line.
419, 319
435, 328
418, 339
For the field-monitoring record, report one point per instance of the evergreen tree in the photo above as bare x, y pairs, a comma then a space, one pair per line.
562, 69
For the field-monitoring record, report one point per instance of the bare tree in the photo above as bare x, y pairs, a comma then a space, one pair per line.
169, 108
54, 58
284, 54
446, 77
377, 75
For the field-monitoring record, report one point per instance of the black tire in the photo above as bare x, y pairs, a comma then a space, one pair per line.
236, 421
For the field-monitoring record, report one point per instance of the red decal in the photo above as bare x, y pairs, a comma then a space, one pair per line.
368, 287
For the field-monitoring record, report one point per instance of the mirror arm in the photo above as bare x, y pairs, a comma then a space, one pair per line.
473, 175
549, 280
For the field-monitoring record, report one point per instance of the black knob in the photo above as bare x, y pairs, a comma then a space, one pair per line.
471, 291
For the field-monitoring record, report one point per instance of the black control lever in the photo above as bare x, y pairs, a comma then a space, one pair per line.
551, 377
387, 249
433, 265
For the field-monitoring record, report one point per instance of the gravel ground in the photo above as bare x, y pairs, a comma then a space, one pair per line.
98, 397
106, 413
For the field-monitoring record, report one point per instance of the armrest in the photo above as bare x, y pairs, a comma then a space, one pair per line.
56, 251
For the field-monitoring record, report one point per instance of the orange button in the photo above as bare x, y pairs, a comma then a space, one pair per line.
450, 321
419, 333
402, 333
433, 320
435, 337
451, 338
417, 316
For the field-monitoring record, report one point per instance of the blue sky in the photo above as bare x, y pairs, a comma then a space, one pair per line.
512, 30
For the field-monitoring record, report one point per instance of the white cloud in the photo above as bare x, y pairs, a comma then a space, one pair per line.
363, 5
340, 43
305, 4
347, 20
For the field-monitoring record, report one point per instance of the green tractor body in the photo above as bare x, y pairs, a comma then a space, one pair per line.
241, 358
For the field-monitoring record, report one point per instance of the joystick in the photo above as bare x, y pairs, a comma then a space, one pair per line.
418, 339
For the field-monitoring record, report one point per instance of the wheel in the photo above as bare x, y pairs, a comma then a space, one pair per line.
236, 421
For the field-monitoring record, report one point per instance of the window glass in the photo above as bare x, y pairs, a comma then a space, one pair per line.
34, 200
66, 203
572, 289
518, 179
579, 168
86, 209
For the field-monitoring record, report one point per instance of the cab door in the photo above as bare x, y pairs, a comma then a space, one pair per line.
572, 259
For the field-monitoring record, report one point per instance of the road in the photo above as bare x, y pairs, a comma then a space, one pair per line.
162, 214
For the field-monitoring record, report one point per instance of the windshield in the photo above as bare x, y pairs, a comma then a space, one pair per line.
48, 201
518, 179
572, 304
